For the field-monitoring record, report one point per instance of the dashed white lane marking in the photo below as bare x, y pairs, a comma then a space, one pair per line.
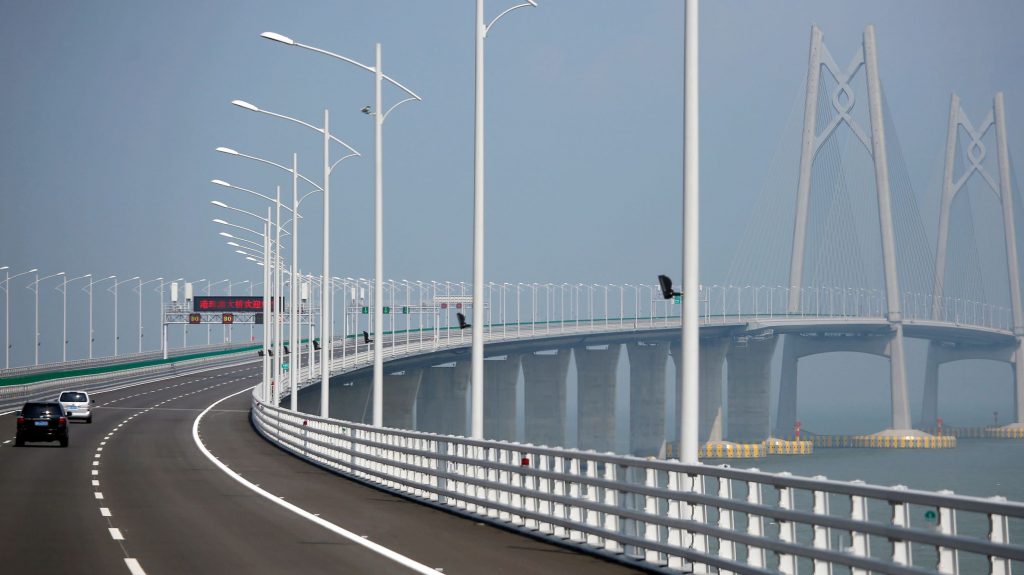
98, 495
95, 462
133, 566
104, 512
95, 471
95, 482
388, 553
115, 534
7, 441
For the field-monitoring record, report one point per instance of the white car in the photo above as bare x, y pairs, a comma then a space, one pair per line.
78, 404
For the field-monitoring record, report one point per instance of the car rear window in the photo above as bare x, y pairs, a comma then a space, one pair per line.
41, 410
72, 396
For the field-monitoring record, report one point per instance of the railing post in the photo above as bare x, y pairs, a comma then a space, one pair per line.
593, 517
611, 499
651, 508
755, 525
859, 543
901, 520
999, 533
575, 516
697, 514
787, 529
676, 535
544, 488
948, 561
559, 491
821, 534
726, 547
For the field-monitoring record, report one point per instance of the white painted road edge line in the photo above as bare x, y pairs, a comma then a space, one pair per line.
393, 555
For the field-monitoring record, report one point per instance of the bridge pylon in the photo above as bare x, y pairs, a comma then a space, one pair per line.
1001, 186
874, 142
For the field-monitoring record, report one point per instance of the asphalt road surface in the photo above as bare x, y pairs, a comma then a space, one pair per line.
133, 493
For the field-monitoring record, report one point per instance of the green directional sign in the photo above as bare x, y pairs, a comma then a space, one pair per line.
366, 310
387, 310
929, 516
284, 366
677, 299
405, 309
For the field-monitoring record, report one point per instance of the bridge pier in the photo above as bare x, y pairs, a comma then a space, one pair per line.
942, 352
646, 396
544, 380
749, 389
500, 379
712, 360
441, 402
596, 372
400, 390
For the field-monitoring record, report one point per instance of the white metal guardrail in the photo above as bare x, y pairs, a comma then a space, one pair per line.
665, 514
662, 513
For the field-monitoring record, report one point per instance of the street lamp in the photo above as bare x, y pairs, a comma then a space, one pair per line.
689, 413
326, 326
64, 290
142, 283
34, 286
114, 287
91, 334
7, 312
379, 117
477, 379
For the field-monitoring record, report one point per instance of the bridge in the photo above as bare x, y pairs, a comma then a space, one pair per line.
639, 512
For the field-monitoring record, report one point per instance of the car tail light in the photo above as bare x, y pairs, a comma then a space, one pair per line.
21, 420
62, 421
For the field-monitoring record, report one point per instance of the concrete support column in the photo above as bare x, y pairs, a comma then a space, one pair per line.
441, 401
596, 371
898, 380
400, 391
930, 398
749, 389
647, 397
785, 415
544, 378
500, 378
712, 360
1018, 382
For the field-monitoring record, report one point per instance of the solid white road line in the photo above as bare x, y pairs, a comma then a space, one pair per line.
393, 555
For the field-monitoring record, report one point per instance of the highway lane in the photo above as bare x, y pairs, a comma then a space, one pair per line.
51, 517
174, 511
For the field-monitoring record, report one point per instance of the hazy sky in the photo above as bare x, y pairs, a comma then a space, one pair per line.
111, 111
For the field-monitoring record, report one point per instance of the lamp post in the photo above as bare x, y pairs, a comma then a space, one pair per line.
34, 286
92, 337
139, 287
64, 290
7, 311
379, 117
688, 409
117, 283
477, 378
296, 200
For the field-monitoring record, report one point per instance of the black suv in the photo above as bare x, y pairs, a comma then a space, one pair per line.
42, 421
